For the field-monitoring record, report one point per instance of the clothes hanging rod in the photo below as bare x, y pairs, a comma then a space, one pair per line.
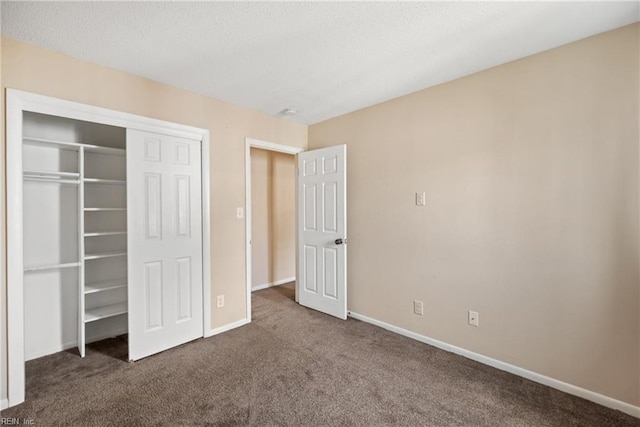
52, 267
50, 174
51, 180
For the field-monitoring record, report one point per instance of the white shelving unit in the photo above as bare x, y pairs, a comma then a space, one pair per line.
104, 235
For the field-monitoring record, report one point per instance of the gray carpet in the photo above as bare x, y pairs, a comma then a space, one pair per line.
293, 366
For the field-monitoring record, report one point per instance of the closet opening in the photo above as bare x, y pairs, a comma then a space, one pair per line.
74, 215
273, 222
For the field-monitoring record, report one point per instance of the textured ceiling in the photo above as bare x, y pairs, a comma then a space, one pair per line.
324, 59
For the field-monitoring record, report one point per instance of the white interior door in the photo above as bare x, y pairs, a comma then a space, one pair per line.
164, 242
322, 230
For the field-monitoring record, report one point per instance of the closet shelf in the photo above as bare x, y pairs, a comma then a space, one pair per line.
104, 286
98, 255
104, 233
92, 148
52, 266
104, 150
104, 209
98, 313
41, 142
104, 181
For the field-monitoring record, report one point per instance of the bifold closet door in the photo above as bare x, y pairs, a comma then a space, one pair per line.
164, 242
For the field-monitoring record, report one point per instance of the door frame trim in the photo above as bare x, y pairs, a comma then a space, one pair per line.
18, 102
250, 143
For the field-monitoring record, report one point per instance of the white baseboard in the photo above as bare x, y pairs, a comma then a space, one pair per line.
49, 350
105, 335
226, 328
272, 284
67, 346
598, 398
4, 404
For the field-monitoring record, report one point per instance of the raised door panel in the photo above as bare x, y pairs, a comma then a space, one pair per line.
182, 185
153, 305
183, 294
153, 206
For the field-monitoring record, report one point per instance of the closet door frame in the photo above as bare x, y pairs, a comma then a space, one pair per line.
18, 102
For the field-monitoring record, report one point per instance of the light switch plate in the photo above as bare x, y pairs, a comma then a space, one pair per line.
418, 308
239, 213
421, 199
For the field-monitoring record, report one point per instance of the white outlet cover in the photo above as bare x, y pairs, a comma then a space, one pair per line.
239, 213
474, 318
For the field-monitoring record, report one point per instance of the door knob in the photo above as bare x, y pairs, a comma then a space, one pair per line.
340, 241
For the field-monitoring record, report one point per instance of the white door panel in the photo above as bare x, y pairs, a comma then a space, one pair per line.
322, 230
165, 242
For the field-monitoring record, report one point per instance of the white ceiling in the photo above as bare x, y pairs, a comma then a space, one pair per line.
324, 59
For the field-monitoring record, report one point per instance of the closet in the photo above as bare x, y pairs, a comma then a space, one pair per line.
90, 193
108, 231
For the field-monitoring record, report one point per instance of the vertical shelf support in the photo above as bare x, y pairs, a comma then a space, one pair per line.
81, 277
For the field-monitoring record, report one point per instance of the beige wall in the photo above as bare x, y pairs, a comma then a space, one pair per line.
273, 219
531, 176
44, 72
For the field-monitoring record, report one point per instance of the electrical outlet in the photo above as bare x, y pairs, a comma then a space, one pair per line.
474, 318
220, 301
421, 199
418, 308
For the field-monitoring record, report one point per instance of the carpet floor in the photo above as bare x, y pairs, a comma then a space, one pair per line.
297, 367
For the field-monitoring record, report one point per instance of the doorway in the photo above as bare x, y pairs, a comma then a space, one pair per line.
273, 222
270, 173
